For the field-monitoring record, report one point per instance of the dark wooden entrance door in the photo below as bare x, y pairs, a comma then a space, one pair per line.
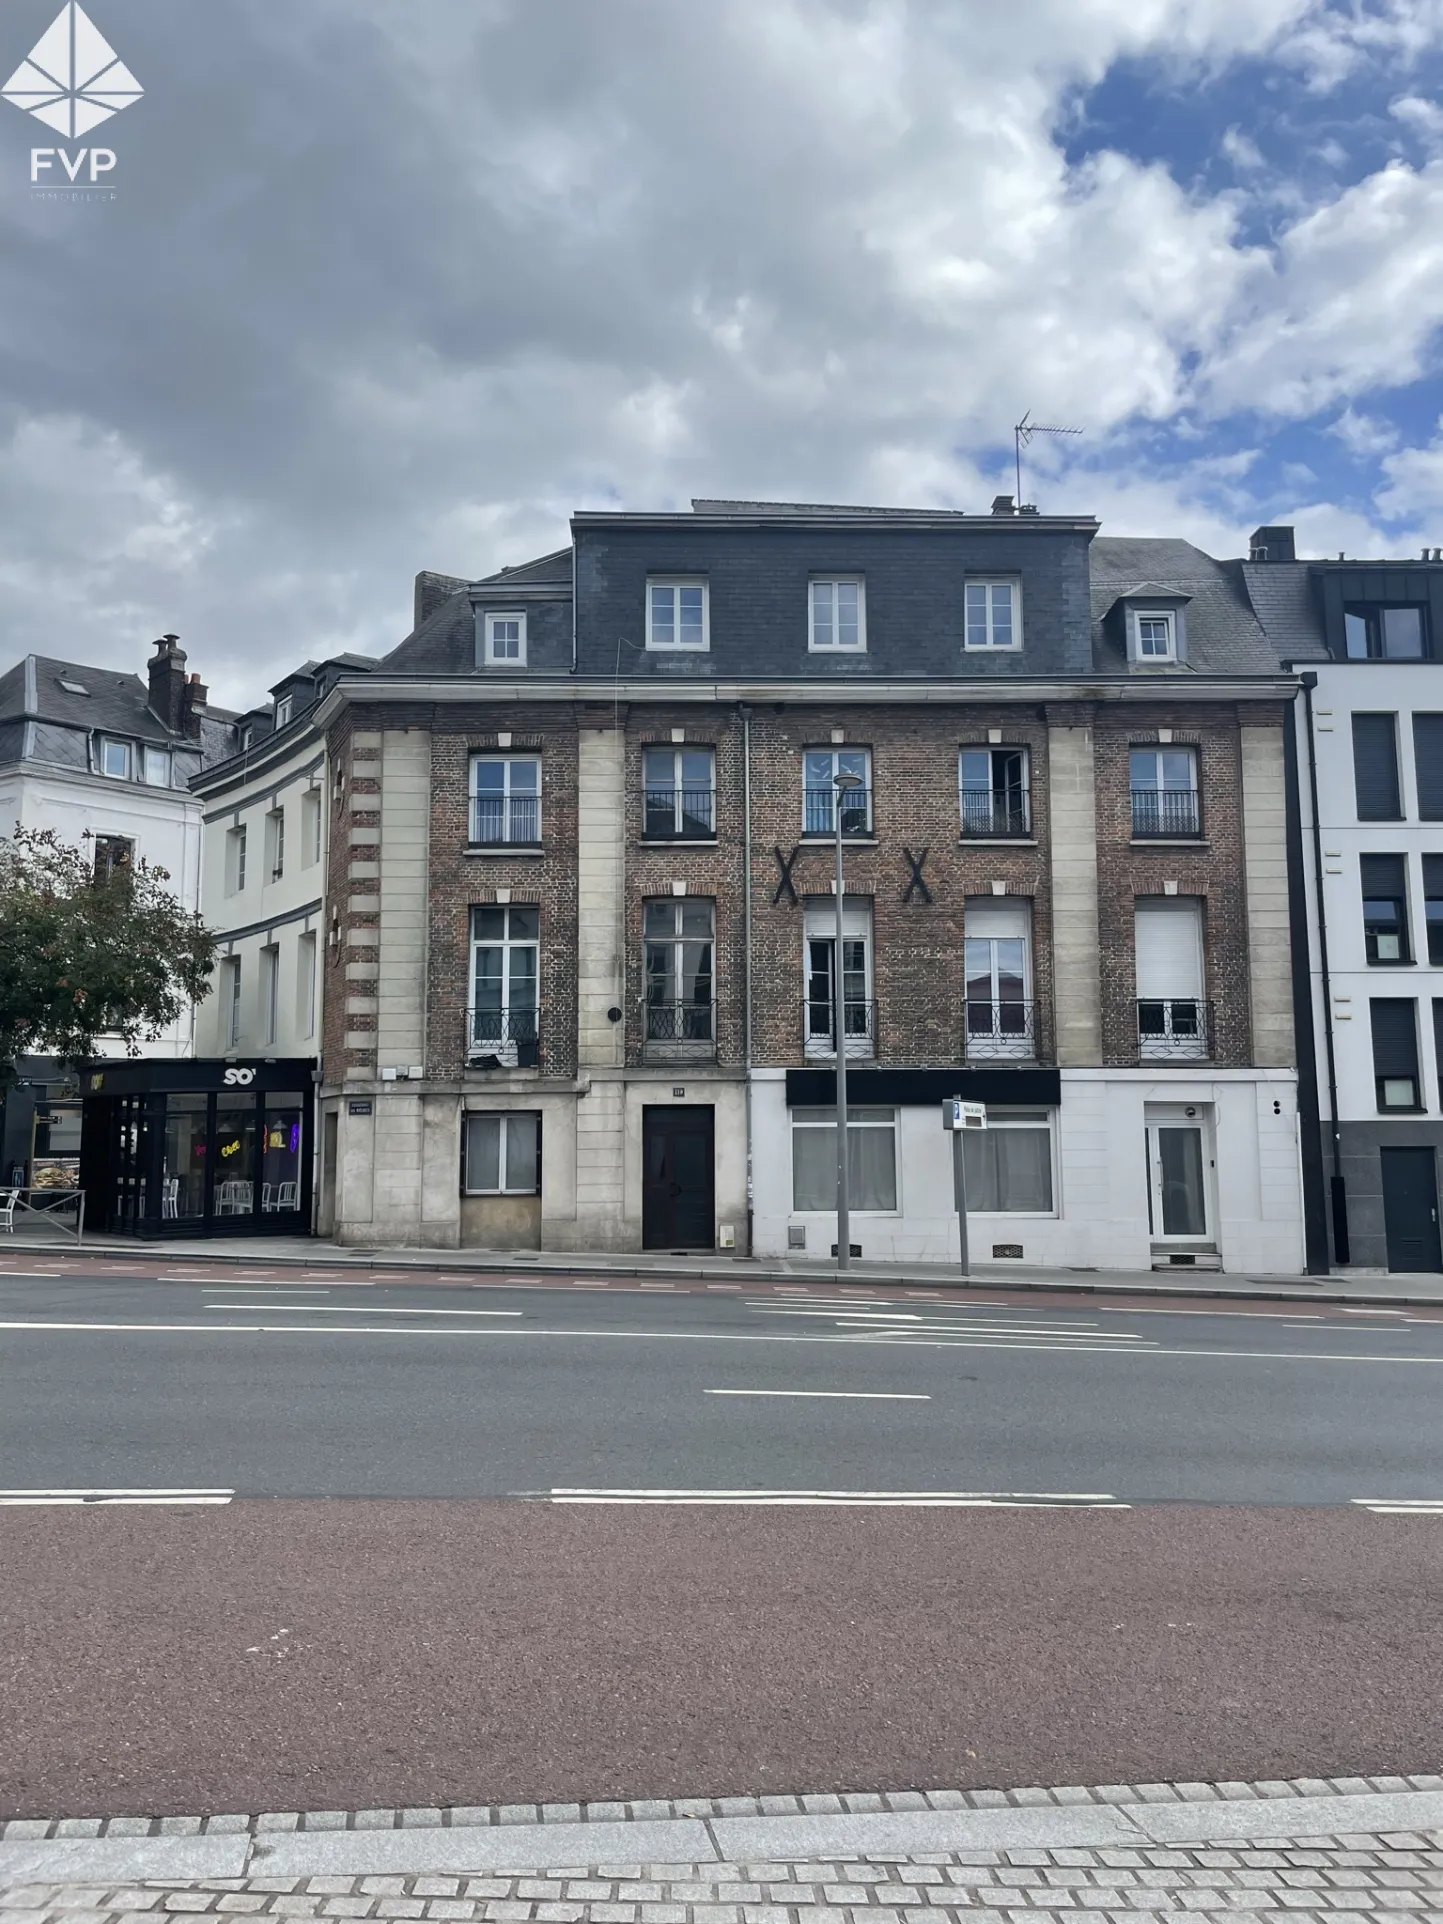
678, 1209
1410, 1209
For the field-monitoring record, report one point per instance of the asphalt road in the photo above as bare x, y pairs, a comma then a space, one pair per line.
275, 1389
470, 1632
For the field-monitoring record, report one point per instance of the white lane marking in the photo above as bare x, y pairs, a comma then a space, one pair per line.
1362, 1310
851, 1396
31, 1499
343, 1309
1401, 1506
850, 1499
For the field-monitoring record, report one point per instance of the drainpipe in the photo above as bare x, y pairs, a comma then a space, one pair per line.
1339, 1197
746, 715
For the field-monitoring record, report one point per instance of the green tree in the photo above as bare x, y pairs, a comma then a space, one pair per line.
90, 947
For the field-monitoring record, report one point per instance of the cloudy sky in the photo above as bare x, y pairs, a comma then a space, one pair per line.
396, 284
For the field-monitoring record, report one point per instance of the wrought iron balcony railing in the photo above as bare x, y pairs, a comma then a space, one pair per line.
819, 804
680, 814
859, 1028
999, 1031
683, 1027
498, 821
1174, 1029
503, 1038
984, 813
1165, 811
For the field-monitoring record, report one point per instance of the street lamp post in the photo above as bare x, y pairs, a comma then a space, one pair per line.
843, 784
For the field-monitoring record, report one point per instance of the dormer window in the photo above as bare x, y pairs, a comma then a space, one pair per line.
993, 615
115, 759
283, 710
505, 640
1156, 635
1385, 634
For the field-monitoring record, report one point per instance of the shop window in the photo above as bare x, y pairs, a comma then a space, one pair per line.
871, 1160
1008, 1164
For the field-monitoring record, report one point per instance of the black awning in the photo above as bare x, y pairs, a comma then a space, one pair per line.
916, 1088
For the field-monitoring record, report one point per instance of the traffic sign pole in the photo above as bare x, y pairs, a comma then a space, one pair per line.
959, 1191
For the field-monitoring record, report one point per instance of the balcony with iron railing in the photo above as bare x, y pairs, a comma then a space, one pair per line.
1174, 1029
503, 1038
859, 1028
819, 806
680, 815
676, 1029
1007, 815
506, 821
1165, 813
999, 1031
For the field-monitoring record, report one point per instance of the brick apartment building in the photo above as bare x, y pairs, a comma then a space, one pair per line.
580, 906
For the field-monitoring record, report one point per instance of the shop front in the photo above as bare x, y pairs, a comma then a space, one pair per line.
198, 1148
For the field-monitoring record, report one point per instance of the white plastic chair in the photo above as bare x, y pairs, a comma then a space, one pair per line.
170, 1197
8, 1200
288, 1195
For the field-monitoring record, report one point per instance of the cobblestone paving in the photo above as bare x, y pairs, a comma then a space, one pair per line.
1352, 1879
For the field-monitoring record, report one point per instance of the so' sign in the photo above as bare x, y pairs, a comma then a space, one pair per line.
957, 1114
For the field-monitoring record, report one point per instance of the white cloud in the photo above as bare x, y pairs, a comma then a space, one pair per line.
1364, 434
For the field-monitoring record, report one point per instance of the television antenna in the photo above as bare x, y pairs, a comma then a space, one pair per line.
1022, 436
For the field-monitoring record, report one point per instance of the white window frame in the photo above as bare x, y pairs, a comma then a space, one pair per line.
859, 1116
107, 742
310, 827
275, 842
504, 1117
1001, 1119
153, 760
234, 1026
989, 646
833, 646
487, 758
1169, 620
307, 949
270, 991
678, 787
819, 925
489, 654
283, 711
235, 860
676, 645
509, 945
830, 787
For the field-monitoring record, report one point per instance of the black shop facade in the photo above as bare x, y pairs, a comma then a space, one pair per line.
198, 1148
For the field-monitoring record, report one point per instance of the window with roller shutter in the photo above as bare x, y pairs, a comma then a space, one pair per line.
1375, 768
1428, 763
1395, 1053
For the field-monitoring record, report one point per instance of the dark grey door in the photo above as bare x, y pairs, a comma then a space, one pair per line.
1410, 1209
678, 1178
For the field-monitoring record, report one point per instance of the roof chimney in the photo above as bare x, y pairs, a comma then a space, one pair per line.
1272, 544
166, 670
1003, 504
192, 702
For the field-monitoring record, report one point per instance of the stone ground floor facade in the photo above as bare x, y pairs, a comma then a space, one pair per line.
1079, 1168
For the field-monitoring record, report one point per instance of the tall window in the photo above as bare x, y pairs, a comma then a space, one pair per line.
997, 943
1394, 1023
235, 860
1386, 634
678, 940
1385, 907
676, 614
1008, 1164
112, 852
1171, 1013
310, 828
157, 767
1428, 766
115, 759
231, 1001
1433, 905
820, 936
1156, 636
994, 614
501, 1154
839, 615
820, 768
283, 710
506, 639
275, 844
994, 789
270, 991
1375, 768
1164, 791
306, 985
506, 800
871, 1160
679, 798
505, 953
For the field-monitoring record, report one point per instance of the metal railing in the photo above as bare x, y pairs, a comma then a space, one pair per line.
1174, 1029
859, 1027
684, 1025
497, 820
45, 1209
1165, 811
818, 804
504, 1038
999, 1031
679, 814
984, 813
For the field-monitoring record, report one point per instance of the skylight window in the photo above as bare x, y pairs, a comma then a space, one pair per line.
73, 687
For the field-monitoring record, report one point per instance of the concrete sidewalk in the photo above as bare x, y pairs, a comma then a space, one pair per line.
1397, 1290
1343, 1848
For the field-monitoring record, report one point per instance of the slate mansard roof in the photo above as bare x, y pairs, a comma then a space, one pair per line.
68, 700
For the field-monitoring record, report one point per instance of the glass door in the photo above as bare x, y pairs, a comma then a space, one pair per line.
185, 1158
235, 1158
1177, 1189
